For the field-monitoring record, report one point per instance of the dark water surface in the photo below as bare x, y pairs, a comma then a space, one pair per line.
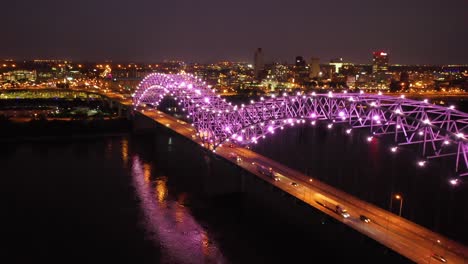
122, 200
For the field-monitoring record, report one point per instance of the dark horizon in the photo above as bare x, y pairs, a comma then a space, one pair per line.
85, 61
412, 32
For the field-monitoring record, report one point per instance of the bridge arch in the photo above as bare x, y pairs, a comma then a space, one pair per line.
441, 131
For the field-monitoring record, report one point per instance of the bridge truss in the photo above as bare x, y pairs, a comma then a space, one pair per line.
440, 131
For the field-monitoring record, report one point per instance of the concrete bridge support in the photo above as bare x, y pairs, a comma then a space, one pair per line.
142, 124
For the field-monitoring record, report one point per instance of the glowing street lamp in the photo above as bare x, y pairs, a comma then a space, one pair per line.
399, 197
453, 182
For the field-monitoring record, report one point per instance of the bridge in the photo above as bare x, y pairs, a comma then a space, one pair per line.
225, 129
441, 131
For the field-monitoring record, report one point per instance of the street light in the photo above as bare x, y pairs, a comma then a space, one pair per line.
399, 197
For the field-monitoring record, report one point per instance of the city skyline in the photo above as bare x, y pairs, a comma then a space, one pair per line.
417, 32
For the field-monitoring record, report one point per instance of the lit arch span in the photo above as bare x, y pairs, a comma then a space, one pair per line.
440, 131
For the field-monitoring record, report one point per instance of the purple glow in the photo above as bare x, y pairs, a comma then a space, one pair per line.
454, 181
166, 222
219, 120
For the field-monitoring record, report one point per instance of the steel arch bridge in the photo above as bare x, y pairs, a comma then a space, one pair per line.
440, 131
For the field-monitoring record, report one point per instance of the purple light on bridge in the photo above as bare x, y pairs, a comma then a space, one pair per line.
454, 182
212, 115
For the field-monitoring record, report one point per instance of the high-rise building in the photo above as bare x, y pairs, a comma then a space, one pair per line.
301, 71
314, 67
259, 64
300, 62
379, 62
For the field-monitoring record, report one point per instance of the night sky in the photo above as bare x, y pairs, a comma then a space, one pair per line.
411, 31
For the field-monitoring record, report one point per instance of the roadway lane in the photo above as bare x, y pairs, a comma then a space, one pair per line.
405, 237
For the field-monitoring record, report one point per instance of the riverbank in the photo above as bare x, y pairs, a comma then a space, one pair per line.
39, 130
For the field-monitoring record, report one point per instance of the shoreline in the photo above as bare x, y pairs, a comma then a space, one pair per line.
62, 137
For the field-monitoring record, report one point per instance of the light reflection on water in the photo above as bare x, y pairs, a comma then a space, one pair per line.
169, 223
125, 151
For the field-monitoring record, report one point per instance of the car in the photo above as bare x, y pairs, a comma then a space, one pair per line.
235, 157
294, 184
438, 257
343, 212
276, 178
364, 218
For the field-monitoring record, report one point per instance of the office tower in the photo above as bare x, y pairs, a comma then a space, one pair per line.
259, 65
301, 71
300, 62
379, 62
314, 67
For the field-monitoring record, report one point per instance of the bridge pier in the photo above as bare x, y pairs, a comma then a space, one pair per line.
216, 175
142, 124
223, 177
119, 110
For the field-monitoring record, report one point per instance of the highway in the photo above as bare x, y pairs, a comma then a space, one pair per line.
413, 241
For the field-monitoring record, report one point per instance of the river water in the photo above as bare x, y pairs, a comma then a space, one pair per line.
118, 199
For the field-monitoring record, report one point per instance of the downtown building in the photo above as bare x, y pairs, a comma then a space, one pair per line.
381, 77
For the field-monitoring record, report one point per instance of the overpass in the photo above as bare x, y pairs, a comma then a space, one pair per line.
226, 129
